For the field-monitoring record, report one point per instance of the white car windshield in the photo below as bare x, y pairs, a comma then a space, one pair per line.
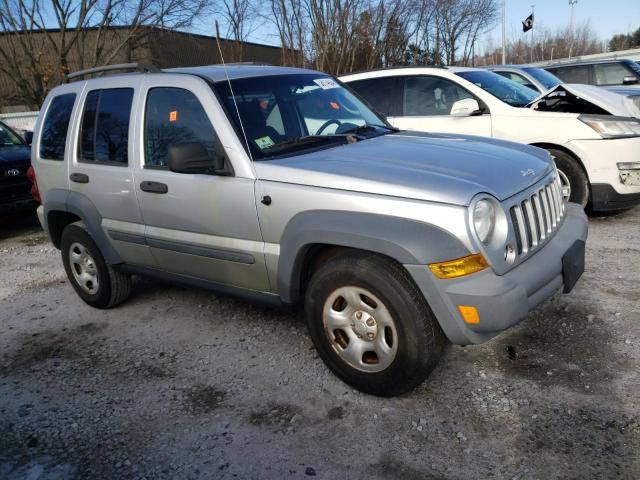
283, 114
503, 89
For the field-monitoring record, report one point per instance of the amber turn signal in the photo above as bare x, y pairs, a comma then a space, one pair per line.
469, 314
459, 267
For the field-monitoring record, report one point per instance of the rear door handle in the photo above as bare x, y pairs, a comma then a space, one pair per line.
154, 187
79, 178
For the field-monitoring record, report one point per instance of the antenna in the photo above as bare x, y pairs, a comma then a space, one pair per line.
233, 96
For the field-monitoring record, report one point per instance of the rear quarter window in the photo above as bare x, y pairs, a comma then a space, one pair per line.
54, 128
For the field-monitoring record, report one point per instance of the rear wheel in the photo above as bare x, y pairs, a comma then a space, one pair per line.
575, 183
371, 325
96, 282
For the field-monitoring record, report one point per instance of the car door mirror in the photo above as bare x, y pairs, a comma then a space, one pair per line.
465, 108
28, 138
629, 80
193, 157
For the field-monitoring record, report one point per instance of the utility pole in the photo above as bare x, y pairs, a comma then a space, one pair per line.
572, 4
504, 31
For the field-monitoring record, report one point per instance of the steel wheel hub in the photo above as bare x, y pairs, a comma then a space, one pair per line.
360, 329
566, 186
364, 325
83, 267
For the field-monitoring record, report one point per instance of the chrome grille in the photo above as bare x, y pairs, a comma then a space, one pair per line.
535, 218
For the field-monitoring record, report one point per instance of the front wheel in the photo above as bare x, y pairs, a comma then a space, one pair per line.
371, 325
575, 184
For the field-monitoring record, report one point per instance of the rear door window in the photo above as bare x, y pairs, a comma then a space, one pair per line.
574, 74
54, 128
383, 94
175, 116
104, 137
611, 73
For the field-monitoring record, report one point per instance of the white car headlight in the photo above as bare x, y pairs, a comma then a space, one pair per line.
484, 220
613, 127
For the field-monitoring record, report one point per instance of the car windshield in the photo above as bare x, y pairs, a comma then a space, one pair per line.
8, 138
284, 114
548, 80
506, 90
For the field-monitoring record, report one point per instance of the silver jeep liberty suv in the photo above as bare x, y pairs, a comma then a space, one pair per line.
281, 185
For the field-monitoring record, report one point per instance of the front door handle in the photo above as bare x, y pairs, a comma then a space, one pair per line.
154, 187
79, 178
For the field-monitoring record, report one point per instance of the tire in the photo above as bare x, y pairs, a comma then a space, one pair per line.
573, 171
95, 282
346, 292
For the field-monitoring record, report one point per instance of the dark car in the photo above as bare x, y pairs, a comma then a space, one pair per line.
601, 72
15, 187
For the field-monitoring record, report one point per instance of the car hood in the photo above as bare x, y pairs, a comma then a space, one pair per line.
425, 166
11, 155
610, 101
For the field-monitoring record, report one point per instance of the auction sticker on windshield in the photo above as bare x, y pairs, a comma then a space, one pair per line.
264, 142
326, 83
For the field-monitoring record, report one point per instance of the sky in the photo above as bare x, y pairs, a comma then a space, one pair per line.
607, 17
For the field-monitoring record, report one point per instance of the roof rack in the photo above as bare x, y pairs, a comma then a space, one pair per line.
140, 67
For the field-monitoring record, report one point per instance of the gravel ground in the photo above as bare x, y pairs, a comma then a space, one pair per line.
181, 383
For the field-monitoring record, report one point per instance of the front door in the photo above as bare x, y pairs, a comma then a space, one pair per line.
197, 225
426, 106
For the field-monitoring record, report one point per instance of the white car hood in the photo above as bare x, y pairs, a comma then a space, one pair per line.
614, 103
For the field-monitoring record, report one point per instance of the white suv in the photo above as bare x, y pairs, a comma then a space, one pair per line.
591, 133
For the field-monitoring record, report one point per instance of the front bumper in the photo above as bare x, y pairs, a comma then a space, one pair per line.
604, 198
502, 300
613, 168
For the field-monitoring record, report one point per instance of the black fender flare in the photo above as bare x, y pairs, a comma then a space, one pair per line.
81, 206
404, 240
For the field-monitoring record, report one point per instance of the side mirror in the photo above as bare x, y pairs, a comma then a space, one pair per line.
193, 157
630, 80
465, 108
28, 138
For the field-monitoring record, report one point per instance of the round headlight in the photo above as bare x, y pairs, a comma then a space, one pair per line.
484, 219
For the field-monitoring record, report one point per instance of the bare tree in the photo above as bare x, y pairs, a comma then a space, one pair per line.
342, 35
240, 18
40, 38
458, 24
289, 18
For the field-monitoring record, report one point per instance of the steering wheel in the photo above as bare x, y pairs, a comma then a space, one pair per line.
326, 124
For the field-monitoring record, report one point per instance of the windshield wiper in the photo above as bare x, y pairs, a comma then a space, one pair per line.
295, 142
367, 127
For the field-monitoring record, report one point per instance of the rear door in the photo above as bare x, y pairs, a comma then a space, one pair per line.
384, 94
101, 162
426, 104
203, 226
